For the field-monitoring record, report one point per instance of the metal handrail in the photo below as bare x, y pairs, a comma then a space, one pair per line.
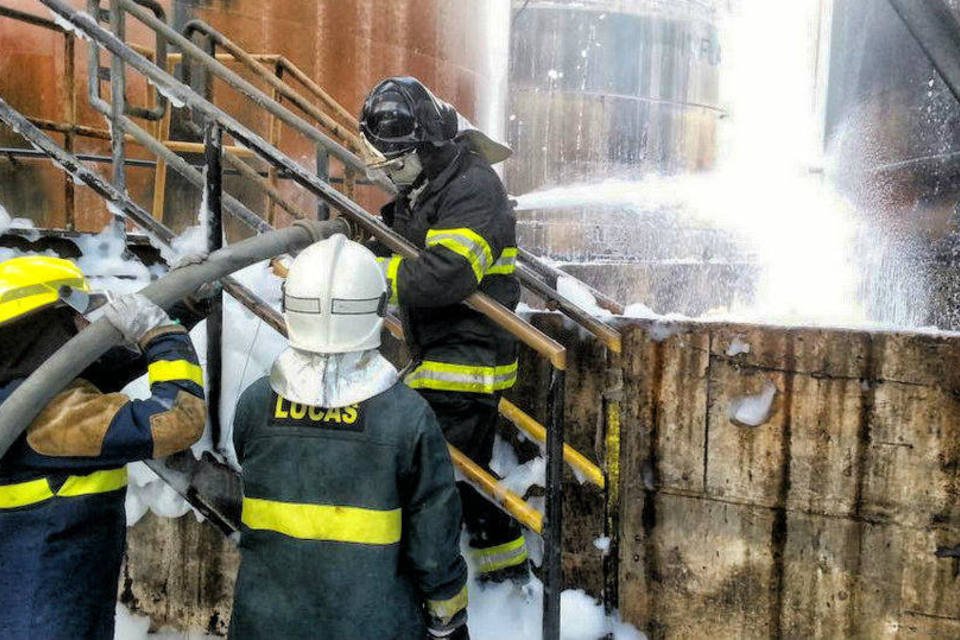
534, 338
605, 333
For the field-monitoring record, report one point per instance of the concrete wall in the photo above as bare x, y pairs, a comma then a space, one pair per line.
823, 521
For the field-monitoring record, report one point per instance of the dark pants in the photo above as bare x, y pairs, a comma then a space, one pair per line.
469, 422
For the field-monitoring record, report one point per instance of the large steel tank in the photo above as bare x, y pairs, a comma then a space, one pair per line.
893, 135
458, 47
614, 89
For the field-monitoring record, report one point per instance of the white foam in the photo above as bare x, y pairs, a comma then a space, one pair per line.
752, 411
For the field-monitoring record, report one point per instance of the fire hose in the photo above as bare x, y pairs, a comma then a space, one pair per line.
50, 378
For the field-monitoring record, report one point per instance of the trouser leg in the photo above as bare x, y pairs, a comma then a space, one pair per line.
469, 423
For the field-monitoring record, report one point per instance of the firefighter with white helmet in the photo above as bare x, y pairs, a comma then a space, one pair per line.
62, 483
351, 519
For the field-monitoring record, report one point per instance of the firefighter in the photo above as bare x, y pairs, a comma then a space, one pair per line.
453, 207
63, 482
351, 519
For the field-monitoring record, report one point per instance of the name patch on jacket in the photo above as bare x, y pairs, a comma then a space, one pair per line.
294, 414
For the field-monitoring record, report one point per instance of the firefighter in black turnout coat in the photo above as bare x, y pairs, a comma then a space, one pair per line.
453, 207
351, 518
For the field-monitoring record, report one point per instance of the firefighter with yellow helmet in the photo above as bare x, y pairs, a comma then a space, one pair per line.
62, 483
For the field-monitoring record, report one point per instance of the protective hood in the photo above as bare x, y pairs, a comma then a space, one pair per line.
331, 380
480, 143
27, 343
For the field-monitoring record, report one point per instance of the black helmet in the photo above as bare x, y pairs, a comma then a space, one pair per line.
400, 114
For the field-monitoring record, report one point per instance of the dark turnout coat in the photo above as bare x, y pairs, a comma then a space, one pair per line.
464, 224
351, 519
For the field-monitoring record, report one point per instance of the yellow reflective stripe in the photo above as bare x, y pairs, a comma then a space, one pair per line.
24, 493
501, 556
96, 482
34, 491
446, 609
506, 264
392, 268
458, 377
170, 370
323, 522
466, 243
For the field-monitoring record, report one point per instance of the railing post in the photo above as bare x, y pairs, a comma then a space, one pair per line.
117, 106
323, 172
213, 196
553, 522
612, 398
70, 106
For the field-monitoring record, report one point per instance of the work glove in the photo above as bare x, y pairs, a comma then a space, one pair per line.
202, 300
135, 316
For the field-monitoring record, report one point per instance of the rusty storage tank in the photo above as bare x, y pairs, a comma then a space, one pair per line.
893, 136
603, 89
458, 47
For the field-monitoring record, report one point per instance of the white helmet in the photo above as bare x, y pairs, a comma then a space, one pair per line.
334, 298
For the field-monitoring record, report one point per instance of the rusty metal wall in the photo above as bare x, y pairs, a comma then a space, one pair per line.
821, 522
458, 47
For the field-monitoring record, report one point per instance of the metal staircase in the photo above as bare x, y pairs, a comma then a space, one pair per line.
329, 128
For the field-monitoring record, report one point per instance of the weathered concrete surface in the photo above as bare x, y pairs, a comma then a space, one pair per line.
822, 522
180, 573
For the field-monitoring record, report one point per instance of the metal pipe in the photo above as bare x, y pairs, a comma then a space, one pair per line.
29, 18
553, 538
609, 336
534, 338
213, 192
26, 402
181, 146
576, 460
553, 274
507, 500
272, 58
936, 30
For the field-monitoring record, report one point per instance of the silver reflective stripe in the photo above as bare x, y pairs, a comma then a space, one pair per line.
301, 305
499, 557
453, 377
355, 307
505, 264
466, 244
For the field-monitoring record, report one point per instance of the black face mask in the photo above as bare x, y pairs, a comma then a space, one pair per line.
27, 343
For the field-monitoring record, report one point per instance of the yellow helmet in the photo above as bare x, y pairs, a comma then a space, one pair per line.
30, 283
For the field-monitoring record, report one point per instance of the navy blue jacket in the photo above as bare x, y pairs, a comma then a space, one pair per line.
62, 490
